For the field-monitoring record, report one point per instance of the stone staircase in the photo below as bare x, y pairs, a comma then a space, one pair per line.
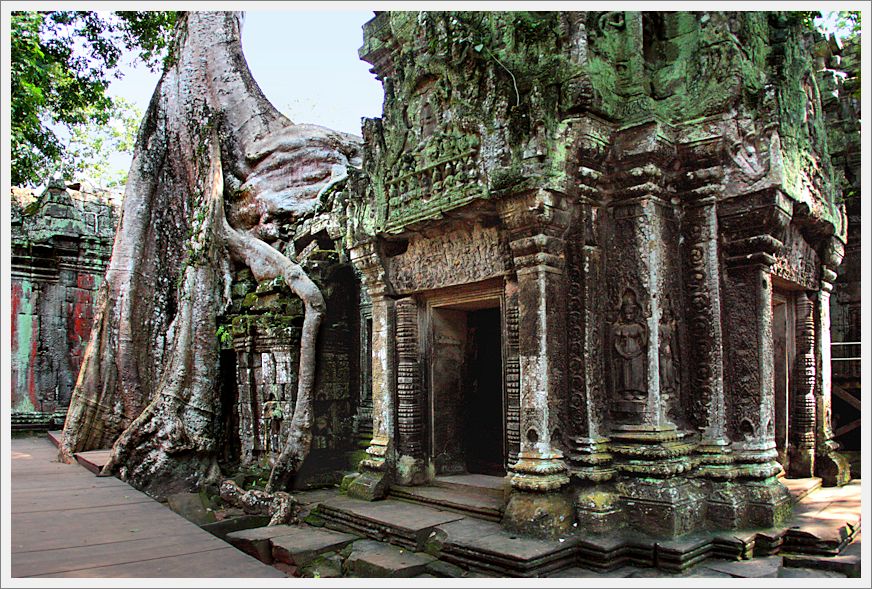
479, 496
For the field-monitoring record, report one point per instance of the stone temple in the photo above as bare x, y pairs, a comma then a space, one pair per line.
588, 254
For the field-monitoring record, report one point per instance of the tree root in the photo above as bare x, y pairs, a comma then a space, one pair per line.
280, 506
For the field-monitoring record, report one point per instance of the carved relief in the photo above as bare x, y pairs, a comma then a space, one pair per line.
797, 262
668, 358
449, 258
630, 342
702, 331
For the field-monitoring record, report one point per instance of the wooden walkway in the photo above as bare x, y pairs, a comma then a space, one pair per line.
68, 523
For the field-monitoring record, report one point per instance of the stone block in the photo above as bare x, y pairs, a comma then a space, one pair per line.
191, 507
256, 541
370, 558
754, 568
370, 486
304, 544
598, 511
769, 502
540, 515
439, 568
661, 507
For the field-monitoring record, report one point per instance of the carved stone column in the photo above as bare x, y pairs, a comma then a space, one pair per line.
645, 308
802, 412
377, 469
705, 398
831, 466
753, 225
590, 462
536, 222
411, 467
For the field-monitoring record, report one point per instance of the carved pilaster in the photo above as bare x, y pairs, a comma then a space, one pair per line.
512, 379
831, 466
410, 423
537, 222
703, 316
588, 446
753, 226
802, 422
376, 469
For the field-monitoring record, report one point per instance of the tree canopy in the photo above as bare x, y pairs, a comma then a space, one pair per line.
61, 65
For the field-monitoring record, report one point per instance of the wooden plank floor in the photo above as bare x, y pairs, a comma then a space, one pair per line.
66, 522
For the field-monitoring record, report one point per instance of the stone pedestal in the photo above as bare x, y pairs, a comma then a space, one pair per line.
661, 507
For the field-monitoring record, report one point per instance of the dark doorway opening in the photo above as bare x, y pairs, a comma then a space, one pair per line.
782, 361
483, 394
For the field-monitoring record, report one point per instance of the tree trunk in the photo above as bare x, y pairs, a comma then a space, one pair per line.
215, 171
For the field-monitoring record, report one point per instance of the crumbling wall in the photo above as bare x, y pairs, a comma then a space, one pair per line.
61, 242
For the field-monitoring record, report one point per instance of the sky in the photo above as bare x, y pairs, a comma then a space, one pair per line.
305, 62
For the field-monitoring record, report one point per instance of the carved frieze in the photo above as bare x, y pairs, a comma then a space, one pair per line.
797, 262
459, 256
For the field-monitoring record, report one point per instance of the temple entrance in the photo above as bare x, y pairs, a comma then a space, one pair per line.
783, 345
467, 412
483, 394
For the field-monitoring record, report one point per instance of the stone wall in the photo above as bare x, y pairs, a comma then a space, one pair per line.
260, 334
61, 242
646, 186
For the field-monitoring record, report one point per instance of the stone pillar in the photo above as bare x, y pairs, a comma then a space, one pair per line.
596, 505
411, 466
536, 222
752, 226
377, 469
706, 399
831, 466
644, 305
802, 411
704, 330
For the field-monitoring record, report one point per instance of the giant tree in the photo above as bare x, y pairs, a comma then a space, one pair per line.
216, 168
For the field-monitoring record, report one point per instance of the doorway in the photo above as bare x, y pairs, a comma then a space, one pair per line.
467, 412
783, 347
483, 394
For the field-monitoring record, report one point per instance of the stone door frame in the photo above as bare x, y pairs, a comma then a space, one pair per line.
468, 297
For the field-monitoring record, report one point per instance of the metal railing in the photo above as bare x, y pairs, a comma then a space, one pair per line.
845, 360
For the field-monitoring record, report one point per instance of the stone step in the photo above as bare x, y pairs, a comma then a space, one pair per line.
370, 558
389, 520
478, 484
305, 544
295, 545
800, 488
483, 506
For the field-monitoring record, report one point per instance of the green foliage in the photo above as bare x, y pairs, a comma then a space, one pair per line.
91, 145
61, 66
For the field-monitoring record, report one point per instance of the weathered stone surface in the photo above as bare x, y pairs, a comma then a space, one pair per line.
757, 567
61, 240
301, 545
438, 568
377, 559
191, 507
256, 541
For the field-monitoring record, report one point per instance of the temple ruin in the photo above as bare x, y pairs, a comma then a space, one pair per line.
587, 257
